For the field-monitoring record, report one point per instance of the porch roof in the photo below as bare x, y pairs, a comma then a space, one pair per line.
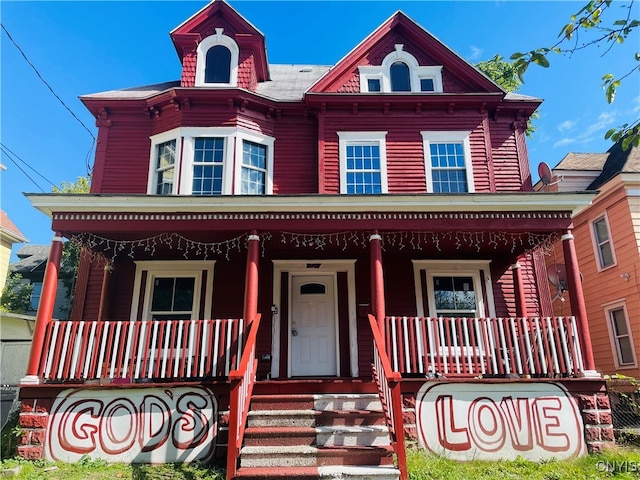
567, 202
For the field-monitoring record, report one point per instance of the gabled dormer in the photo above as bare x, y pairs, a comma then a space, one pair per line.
402, 57
219, 48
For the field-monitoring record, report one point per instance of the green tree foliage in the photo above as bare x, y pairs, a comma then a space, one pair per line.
81, 185
602, 25
505, 74
16, 296
501, 71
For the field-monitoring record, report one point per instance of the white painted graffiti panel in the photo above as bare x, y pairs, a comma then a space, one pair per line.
133, 425
467, 421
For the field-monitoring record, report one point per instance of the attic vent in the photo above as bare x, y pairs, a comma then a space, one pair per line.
306, 70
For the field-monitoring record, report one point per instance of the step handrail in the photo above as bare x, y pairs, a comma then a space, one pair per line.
242, 381
389, 389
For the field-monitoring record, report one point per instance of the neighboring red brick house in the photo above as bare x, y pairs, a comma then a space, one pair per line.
296, 224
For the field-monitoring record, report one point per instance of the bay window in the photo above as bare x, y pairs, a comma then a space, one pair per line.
211, 161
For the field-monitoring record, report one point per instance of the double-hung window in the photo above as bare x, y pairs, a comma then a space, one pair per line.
211, 161
208, 166
620, 333
448, 167
602, 243
254, 168
165, 167
363, 162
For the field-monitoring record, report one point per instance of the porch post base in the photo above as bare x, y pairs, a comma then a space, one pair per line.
589, 374
30, 380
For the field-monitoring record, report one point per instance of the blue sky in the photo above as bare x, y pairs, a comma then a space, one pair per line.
88, 47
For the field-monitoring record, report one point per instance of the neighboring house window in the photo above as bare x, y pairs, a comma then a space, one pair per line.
620, 332
448, 167
602, 243
35, 295
400, 72
217, 61
172, 289
210, 161
363, 162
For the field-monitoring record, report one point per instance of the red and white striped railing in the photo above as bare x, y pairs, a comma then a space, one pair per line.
538, 347
388, 383
158, 350
242, 382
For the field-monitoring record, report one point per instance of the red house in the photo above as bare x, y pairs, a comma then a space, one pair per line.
280, 259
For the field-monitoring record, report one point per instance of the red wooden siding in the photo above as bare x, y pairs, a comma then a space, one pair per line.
405, 152
126, 161
228, 287
295, 155
505, 161
343, 324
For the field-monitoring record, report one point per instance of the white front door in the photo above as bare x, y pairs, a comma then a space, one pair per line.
312, 326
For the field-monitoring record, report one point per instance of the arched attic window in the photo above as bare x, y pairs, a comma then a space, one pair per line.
400, 72
400, 77
217, 63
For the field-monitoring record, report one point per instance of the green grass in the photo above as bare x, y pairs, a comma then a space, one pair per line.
620, 463
87, 469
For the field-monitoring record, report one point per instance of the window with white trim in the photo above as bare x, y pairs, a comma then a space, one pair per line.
363, 162
172, 289
400, 72
165, 156
217, 61
210, 161
454, 289
447, 158
620, 333
602, 243
254, 168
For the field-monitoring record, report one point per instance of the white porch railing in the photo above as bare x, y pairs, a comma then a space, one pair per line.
471, 347
158, 350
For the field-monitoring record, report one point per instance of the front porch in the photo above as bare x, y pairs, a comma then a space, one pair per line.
392, 303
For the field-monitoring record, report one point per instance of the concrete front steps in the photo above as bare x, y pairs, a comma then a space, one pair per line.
311, 437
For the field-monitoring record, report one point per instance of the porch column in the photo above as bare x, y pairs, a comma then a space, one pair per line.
251, 279
578, 307
377, 280
45, 309
518, 287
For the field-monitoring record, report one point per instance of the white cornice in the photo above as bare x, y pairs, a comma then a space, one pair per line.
475, 202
